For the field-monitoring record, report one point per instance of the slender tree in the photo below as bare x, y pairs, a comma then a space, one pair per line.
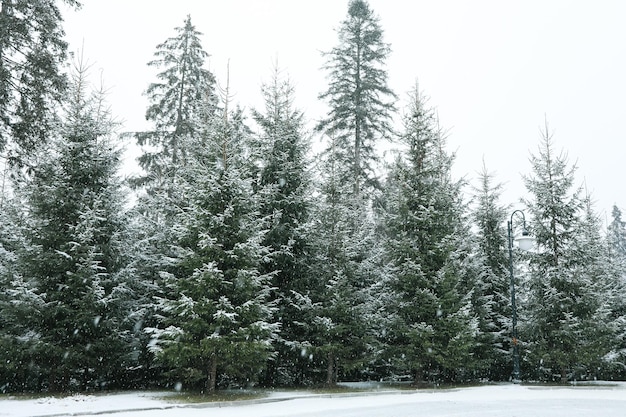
184, 95
75, 207
491, 298
216, 319
433, 332
182, 102
360, 101
361, 106
284, 189
563, 302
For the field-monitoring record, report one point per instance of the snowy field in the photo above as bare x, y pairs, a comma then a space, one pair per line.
500, 400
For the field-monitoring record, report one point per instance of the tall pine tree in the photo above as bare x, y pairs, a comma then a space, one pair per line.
361, 107
285, 190
433, 332
181, 102
216, 321
76, 221
360, 101
491, 298
563, 301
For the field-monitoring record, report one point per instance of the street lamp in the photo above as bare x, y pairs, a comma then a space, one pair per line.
525, 242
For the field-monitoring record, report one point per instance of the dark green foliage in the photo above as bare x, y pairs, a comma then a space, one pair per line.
491, 295
566, 319
32, 53
433, 333
183, 97
284, 189
74, 258
216, 319
361, 103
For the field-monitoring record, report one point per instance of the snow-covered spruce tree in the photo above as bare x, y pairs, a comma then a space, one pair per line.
150, 251
75, 215
598, 359
360, 101
342, 237
491, 295
560, 329
184, 94
616, 236
19, 303
433, 335
361, 106
285, 198
616, 240
181, 101
216, 325
32, 84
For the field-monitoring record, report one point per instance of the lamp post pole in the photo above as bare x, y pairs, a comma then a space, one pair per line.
524, 241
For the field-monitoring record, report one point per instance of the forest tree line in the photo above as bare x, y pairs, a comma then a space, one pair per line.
244, 259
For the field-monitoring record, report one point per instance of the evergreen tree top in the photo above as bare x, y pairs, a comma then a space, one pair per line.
556, 203
360, 100
185, 87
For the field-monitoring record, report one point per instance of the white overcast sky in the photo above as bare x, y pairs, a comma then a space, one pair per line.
495, 70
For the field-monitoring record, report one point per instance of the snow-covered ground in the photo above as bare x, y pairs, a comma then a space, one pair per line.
485, 401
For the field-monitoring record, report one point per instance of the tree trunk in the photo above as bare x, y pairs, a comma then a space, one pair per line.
330, 370
563, 374
419, 377
212, 377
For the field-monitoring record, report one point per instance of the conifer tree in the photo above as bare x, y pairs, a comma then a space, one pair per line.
183, 96
341, 241
284, 190
32, 83
616, 235
605, 298
182, 102
76, 221
616, 240
491, 298
433, 333
360, 101
563, 302
216, 319
19, 303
